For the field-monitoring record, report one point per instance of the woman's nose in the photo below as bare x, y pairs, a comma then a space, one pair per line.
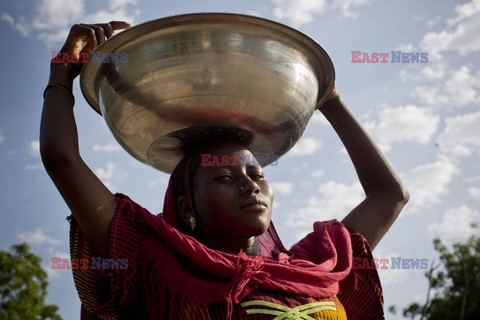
249, 187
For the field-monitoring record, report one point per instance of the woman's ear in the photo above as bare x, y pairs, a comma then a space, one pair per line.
185, 206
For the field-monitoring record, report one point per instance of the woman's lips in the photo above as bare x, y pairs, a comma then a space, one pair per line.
255, 205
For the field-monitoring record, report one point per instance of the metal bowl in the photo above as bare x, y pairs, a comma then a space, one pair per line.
178, 77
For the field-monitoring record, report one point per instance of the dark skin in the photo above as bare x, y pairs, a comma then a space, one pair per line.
241, 207
216, 189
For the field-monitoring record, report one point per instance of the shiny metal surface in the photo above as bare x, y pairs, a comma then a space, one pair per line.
189, 73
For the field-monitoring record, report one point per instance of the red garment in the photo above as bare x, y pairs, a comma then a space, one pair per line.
167, 269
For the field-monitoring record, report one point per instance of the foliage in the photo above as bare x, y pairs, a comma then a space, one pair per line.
456, 285
23, 286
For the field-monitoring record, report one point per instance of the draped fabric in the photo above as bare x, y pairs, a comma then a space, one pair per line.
173, 276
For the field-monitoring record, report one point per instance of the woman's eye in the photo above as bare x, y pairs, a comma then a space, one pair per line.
257, 176
225, 178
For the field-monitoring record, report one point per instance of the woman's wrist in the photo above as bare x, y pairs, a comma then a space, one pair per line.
61, 79
63, 74
331, 103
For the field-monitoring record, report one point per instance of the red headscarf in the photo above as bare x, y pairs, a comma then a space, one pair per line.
313, 267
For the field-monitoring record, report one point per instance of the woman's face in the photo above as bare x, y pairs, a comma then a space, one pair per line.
233, 200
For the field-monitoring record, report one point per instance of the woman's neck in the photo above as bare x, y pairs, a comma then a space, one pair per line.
233, 245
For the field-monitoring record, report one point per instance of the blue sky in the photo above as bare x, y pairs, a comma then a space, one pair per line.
424, 115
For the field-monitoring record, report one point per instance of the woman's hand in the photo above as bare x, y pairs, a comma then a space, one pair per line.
81, 41
333, 94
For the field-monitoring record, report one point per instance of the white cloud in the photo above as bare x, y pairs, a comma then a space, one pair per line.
37, 237
347, 7
460, 89
33, 167
109, 147
462, 86
435, 72
455, 224
433, 22
7, 18
282, 187
461, 135
2, 138
409, 47
468, 36
462, 33
54, 274
306, 146
119, 4
474, 192
318, 173
465, 11
158, 182
298, 12
318, 117
407, 77
34, 148
51, 19
426, 183
430, 95
110, 174
335, 201
51, 14
19, 26
404, 124
435, 43
123, 13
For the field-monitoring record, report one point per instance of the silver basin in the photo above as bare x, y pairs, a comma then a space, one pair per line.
183, 76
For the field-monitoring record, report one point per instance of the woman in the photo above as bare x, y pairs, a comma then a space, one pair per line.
213, 253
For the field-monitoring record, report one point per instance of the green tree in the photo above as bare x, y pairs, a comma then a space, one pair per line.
456, 284
23, 286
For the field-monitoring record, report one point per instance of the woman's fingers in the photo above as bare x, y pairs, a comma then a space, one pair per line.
80, 37
98, 33
107, 29
118, 25
81, 41
86, 37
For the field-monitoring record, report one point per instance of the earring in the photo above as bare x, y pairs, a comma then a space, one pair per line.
192, 222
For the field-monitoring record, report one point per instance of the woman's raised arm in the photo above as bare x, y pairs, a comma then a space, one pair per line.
91, 203
385, 193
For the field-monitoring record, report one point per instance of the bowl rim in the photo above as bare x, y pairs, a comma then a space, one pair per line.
112, 44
